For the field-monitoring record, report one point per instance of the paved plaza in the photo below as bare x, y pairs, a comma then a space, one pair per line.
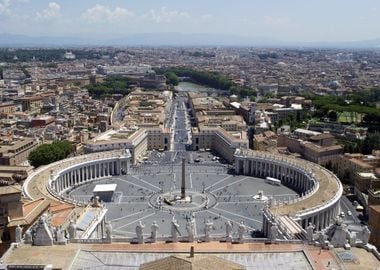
217, 197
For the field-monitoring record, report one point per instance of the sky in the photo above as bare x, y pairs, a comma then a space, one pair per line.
284, 20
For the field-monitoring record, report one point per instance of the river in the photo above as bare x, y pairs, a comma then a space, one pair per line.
193, 87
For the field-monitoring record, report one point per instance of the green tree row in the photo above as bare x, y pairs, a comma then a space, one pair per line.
371, 142
171, 78
25, 55
48, 55
211, 79
111, 85
362, 102
48, 153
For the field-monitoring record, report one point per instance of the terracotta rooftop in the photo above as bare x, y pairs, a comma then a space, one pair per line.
61, 212
31, 211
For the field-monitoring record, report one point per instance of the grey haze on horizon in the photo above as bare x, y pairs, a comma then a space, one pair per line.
312, 23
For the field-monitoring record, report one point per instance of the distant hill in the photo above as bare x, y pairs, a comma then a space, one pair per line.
171, 39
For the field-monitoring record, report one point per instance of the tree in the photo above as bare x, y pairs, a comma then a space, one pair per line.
371, 142
333, 116
48, 153
171, 78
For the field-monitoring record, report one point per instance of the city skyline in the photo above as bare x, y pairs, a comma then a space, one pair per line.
277, 21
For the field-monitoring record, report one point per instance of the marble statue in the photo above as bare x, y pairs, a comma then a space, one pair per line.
208, 227
44, 236
154, 228
365, 235
108, 230
95, 202
273, 232
18, 234
228, 231
322, 238
72, 230
190, 227
241, 230
353, 237
60, 235
28, 237
309, 232
139, 232
340, 234
174, 230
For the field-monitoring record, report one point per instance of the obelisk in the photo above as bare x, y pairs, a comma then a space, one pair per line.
183, 185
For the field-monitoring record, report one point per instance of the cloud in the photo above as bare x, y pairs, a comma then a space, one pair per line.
100, 13
207, 17
164, 15
4, 6
52, 11
275, 21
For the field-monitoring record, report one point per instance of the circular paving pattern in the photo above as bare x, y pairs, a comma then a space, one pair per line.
151, 193
171, 201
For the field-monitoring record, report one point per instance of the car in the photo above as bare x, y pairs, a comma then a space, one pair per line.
349, 213
342, 214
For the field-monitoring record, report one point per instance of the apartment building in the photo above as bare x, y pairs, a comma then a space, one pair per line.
318, 148
218, 140
16, 151
7, 108
136, 141
33, 103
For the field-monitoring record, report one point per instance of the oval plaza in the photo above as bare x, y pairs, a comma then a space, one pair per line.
317, 201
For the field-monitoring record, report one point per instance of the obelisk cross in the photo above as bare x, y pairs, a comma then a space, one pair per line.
183, 185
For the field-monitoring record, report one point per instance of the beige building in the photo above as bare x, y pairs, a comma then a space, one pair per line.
158, 138
33, 103
374, 223
15, 152
7, 108
14, 212
319, 148
349, 166
219, 140
135, 141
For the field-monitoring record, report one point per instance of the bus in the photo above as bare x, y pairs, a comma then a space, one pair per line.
272, 181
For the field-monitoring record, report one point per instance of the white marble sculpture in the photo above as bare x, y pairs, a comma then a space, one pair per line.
365, 235
154, 228
60, 235
207, 230
28, 237
108, 230
174, 230
310, 232
273, 233
228, 231
241, 230
190, 227
139, 232
72, 230
18, 233
43, 237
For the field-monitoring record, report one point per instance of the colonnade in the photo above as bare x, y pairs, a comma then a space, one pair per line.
84, 172
296, 177
300, 177
322, 219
